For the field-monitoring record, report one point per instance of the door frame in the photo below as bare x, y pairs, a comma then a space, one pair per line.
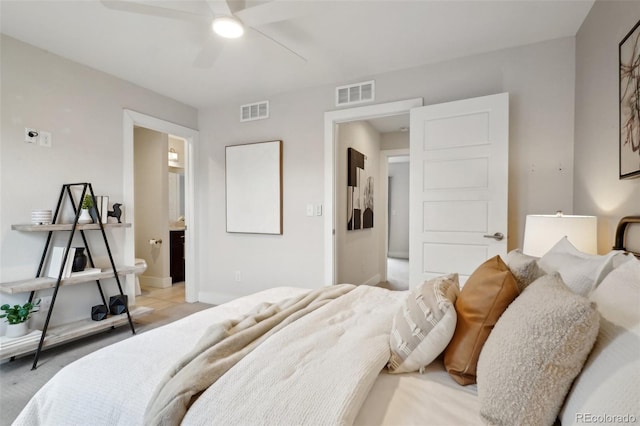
130, 120
331, 119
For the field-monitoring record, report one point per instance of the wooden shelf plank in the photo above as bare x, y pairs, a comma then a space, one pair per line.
35, 284
28, 227
75, 330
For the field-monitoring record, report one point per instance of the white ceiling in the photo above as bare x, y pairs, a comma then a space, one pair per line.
343, 41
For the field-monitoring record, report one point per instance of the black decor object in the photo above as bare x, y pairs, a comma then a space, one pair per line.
98, 312
79, 260
118, 304
116, 212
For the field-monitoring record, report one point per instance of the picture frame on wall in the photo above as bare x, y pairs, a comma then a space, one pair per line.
629, 105
253, 175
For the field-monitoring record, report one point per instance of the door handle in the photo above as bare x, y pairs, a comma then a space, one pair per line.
497, 236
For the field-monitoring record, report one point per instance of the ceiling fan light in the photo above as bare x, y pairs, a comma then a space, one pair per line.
228, 27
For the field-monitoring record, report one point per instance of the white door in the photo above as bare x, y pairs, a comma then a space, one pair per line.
459, 181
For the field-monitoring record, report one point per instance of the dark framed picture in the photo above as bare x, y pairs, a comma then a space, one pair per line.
359, 191
629, 61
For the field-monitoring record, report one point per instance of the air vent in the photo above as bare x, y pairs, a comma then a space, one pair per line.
256, 111
355, 93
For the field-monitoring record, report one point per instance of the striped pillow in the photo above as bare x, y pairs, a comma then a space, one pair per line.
424, 325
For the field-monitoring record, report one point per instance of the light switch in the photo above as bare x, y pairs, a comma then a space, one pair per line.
318, 209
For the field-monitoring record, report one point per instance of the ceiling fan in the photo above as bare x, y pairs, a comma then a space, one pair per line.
228, 19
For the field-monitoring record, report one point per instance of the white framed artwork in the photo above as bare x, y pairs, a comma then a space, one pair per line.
253, 174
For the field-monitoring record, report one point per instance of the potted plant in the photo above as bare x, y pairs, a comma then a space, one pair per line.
17, 317
87, 203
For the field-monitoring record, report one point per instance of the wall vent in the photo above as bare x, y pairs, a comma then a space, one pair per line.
256, 111
356, 93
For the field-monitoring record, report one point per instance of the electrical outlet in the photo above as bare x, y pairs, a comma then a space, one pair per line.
45, 139
238, 276
30, 135
309, 209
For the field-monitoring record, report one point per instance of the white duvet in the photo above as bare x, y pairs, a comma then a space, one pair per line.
323, 370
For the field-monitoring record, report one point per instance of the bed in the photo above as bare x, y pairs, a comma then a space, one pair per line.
294, 356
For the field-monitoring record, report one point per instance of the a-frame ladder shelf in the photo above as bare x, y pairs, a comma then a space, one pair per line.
40, 282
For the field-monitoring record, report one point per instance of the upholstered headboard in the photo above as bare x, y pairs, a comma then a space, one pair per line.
621, 231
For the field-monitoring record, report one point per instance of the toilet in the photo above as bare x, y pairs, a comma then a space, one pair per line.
140, 267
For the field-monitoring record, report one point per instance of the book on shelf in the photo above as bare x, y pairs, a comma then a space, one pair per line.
68, 265
57, 260
86, 271
104, 208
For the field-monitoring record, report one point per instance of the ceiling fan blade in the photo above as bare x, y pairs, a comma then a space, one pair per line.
219, 7
152, 8
209, 53
299, 55
276, 11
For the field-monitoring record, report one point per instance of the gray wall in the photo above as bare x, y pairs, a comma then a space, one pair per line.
540, 80
399, 210
83, 109
597, 190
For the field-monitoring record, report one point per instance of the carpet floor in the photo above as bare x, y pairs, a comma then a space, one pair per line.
18, 383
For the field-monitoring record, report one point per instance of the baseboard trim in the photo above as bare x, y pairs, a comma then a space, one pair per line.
398, 254
373, 281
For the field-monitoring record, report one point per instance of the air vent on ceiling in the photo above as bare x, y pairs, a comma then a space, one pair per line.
355, 93
256, 111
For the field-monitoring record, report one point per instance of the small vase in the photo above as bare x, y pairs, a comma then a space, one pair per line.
17, 330
79, 260
85, 217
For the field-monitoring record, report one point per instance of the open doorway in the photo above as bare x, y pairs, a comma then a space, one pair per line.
398, 222
159, 160
188, 139
334, 196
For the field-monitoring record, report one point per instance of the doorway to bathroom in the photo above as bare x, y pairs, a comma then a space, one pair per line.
159, 166
177, 168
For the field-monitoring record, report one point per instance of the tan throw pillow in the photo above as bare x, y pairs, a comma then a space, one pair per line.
534, 352
524, 268
484, 297
423, 326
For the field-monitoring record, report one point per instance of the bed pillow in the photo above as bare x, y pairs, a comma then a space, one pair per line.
423, 326
609, 381
484, 297
524, 268
580, 271
534, 352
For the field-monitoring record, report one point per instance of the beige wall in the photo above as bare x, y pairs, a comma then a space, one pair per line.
151, 181
83, 109
358, 252
597, 189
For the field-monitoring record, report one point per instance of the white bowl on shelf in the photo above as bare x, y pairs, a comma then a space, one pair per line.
41, 217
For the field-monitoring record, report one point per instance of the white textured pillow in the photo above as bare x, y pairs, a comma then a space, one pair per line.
524, 268
424, 325
608, 384
534, 352
580, 271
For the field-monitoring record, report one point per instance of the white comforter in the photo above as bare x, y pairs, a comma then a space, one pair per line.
317, 370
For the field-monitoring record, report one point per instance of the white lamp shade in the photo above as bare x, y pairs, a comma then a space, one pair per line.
541, 232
